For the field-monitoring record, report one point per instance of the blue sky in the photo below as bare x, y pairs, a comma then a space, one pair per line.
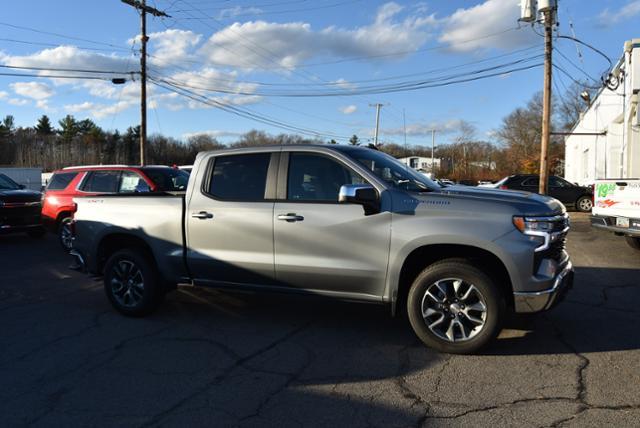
241, 54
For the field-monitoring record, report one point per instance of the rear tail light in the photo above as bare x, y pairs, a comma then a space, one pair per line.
503, 187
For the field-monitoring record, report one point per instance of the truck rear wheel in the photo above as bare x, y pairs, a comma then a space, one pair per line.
455, 307
131, 283
633, 242
65, 237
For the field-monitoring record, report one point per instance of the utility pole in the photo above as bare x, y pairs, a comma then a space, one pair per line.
143, 9
549, 13
433, 149
375, 136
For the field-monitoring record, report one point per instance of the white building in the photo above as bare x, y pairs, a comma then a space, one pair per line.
605, 143
421, 163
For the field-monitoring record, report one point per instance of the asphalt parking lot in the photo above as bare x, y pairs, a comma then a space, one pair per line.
223, 359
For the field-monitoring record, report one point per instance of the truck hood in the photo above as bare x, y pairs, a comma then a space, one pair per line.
528, 203
19, 196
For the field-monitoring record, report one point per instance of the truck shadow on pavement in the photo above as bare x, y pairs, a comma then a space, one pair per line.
253, 359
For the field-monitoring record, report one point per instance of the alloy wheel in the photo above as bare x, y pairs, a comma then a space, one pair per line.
127, 283
66, 237
454, 309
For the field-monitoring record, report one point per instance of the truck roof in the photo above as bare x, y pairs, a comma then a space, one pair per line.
274, 147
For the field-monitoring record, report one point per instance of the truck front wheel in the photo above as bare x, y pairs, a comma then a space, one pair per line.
633, 242
131, 283
455, 307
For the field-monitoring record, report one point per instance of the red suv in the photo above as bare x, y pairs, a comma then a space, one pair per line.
68, 183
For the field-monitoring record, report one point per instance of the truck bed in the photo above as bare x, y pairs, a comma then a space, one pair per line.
157, 219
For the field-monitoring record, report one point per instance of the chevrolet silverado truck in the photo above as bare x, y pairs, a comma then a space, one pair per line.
616, 208
343, 222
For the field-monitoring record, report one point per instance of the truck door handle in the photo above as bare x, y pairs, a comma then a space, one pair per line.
202, 215
290, 217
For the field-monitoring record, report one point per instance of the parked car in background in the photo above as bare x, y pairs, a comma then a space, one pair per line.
570, 194
186, 168
617, 208
445, 182
19, 208
317, 219
30, 178
67, 183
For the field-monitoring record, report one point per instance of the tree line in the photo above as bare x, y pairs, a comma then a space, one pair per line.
512, 148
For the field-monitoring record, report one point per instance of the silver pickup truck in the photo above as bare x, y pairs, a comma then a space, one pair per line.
342, 222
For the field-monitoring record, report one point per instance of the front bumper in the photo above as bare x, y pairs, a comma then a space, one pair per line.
536, 301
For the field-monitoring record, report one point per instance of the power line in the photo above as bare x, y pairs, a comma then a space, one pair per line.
245, 113
577, 82
64, 36
580, 69
69, 69
53, 45
271, 57
53, 76
274, 12
350, 82
378, 89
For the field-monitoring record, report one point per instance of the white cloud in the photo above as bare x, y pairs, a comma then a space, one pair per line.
348, 109
70, 57
209, 80
263, 44
34, 90
628, 11
76, 108
171, 46
44, 105
238, 11
212, 133
100, 110
18, 101
3, 95
467, 29
343, 84
425, 129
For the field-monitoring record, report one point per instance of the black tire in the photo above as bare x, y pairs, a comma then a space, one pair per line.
633, 242
489, 293
150, 295
584, 204
64, 234
37, 232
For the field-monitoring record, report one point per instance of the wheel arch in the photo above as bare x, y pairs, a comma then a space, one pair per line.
62, 215
421, 257
113, 242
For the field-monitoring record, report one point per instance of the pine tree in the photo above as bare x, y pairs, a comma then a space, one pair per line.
43, 127
68, 128
354, 140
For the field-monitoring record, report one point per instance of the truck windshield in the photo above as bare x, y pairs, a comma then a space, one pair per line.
393, 172
7, 184
168, 179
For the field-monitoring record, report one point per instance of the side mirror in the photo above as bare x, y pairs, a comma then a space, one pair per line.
360, 194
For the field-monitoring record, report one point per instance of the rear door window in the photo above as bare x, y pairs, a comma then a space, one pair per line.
61, 180
130, 182
531, 182
101, 182
239, 177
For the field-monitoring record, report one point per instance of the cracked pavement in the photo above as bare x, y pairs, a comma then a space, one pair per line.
243, 359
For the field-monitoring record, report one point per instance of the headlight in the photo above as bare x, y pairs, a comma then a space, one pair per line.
543, 230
